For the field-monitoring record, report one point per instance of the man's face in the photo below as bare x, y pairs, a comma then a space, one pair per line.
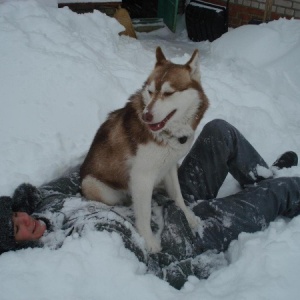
27, 228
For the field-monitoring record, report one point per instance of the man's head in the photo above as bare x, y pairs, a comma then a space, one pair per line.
26, 228
17, 227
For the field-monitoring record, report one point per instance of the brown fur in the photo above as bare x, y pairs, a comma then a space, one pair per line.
110, 143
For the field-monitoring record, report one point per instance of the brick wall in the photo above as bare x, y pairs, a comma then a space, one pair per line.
243, 11
240, 11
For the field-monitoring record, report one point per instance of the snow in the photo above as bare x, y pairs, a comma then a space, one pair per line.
61, 73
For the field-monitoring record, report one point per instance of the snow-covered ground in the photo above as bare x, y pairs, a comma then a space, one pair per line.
61, 73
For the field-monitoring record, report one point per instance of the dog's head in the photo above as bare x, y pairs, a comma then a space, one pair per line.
173, 94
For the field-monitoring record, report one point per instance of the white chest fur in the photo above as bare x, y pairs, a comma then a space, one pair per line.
153, 161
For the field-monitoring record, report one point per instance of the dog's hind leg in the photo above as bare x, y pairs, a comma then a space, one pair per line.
174, 191
94, 189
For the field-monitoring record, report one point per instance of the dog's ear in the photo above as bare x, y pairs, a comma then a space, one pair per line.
193, 65
160, 57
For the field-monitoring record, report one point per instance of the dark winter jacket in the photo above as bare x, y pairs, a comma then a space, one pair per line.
184, 252
66, 213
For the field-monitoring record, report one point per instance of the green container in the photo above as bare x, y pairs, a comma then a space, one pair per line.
167, 10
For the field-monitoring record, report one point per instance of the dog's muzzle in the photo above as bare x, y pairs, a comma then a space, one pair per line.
147, 118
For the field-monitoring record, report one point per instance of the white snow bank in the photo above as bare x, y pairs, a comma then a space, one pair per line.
61, 73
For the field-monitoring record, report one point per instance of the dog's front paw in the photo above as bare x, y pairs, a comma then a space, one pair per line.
153, 244
192, 219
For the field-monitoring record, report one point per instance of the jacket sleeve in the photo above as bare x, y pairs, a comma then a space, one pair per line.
28, 198
68, 185
127, 236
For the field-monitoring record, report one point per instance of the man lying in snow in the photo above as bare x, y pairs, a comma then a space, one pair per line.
47, 215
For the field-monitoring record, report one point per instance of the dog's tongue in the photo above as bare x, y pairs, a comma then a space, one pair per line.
160, 125
157, 126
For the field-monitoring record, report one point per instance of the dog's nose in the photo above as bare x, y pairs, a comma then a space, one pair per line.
147, 117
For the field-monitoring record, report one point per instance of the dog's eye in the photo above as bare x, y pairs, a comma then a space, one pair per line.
167, 94
150, 92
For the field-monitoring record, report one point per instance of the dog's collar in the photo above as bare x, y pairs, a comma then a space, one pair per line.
182, 140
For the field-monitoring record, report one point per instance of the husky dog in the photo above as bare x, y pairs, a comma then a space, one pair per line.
139, 145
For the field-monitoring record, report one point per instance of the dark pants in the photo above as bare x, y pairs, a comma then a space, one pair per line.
221, 149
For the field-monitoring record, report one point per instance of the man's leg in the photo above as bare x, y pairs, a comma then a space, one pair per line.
250, 210
219, 149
